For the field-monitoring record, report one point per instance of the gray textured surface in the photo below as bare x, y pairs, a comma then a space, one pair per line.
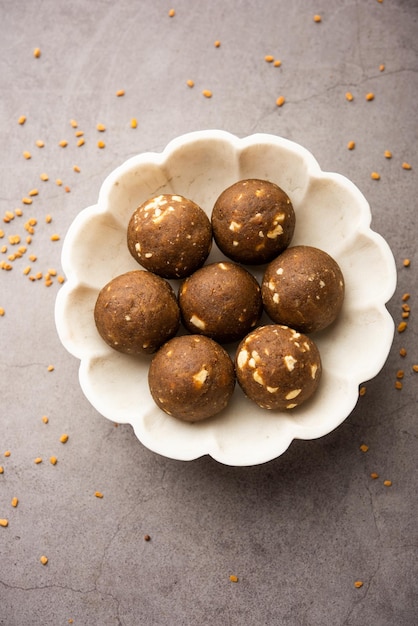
300, 530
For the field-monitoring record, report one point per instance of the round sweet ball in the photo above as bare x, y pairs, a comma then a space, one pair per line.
136, 312
191, 378
253, 221
303, 288
170, 235
220, 300
277, 367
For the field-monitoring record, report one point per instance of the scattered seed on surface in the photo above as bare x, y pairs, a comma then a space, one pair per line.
44, 176
63, 143
358, 584
317, 18
1, 469
98, 494
53, 460
403, 352
33, 192
37, 53
73, 123
7, 453
171, 13
101, 144
387, 483
79, 133
375, 176
207, 93
44, 560
415, 367
147, 538
2, 311
134, 123
406, 297
362, 390
374, 475
64, 438
406, 262
233, 578
217, 43
38, 460
67, 189
280, 101
27, 154
120, 93
269, 58
406, 166
400, 374
76, 169
101, 128
277, 63
349, 96
369, 96
190, 83
45, 419
39, 143
351, 145
381, 67
364, 447
55, 237
4, 523
398, 384
388, 154
14, 502
50, 368
22, 119
81, 142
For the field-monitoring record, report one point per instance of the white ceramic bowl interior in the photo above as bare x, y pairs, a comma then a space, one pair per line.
331, 214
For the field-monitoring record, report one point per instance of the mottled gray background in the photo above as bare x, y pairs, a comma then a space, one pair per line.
297, 531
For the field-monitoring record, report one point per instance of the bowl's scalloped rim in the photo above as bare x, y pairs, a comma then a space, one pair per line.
314, 172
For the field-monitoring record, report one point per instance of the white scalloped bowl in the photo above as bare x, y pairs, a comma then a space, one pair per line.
331, 214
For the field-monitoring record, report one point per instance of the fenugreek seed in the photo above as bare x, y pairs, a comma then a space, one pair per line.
351, 145
64, 438
398, 384
1, 469
27, 154
402, 352
45, 419
406, 262
415, 368
207, 93
39, 143
400, 374
375, 176
358, 584
269, 58
190, 83
73, 123
101, 144
7, 453
81, 142
22, 119
406, 166
349, 96
4, 523
44, 176
52, 272
101, 128
14, 502
405, 315
37, 53
388, 154
369, 96
50, 368
53, 460
317, 18
63, 143
406, 297
374, 475
362, 391
171, 13
33, 192
44, 560
79, 133
387, 483
38, 460
217, 44
58, 182
277, 63
233, 578
27, 200
134, 123
55, 237
147, 538
2, 311
67, 189
364, 447
60, 279
33, 258
18, 212
280, 101
98, 494
76, 169
120, 92
381, 67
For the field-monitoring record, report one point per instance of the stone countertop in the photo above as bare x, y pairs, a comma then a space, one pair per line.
300, 531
